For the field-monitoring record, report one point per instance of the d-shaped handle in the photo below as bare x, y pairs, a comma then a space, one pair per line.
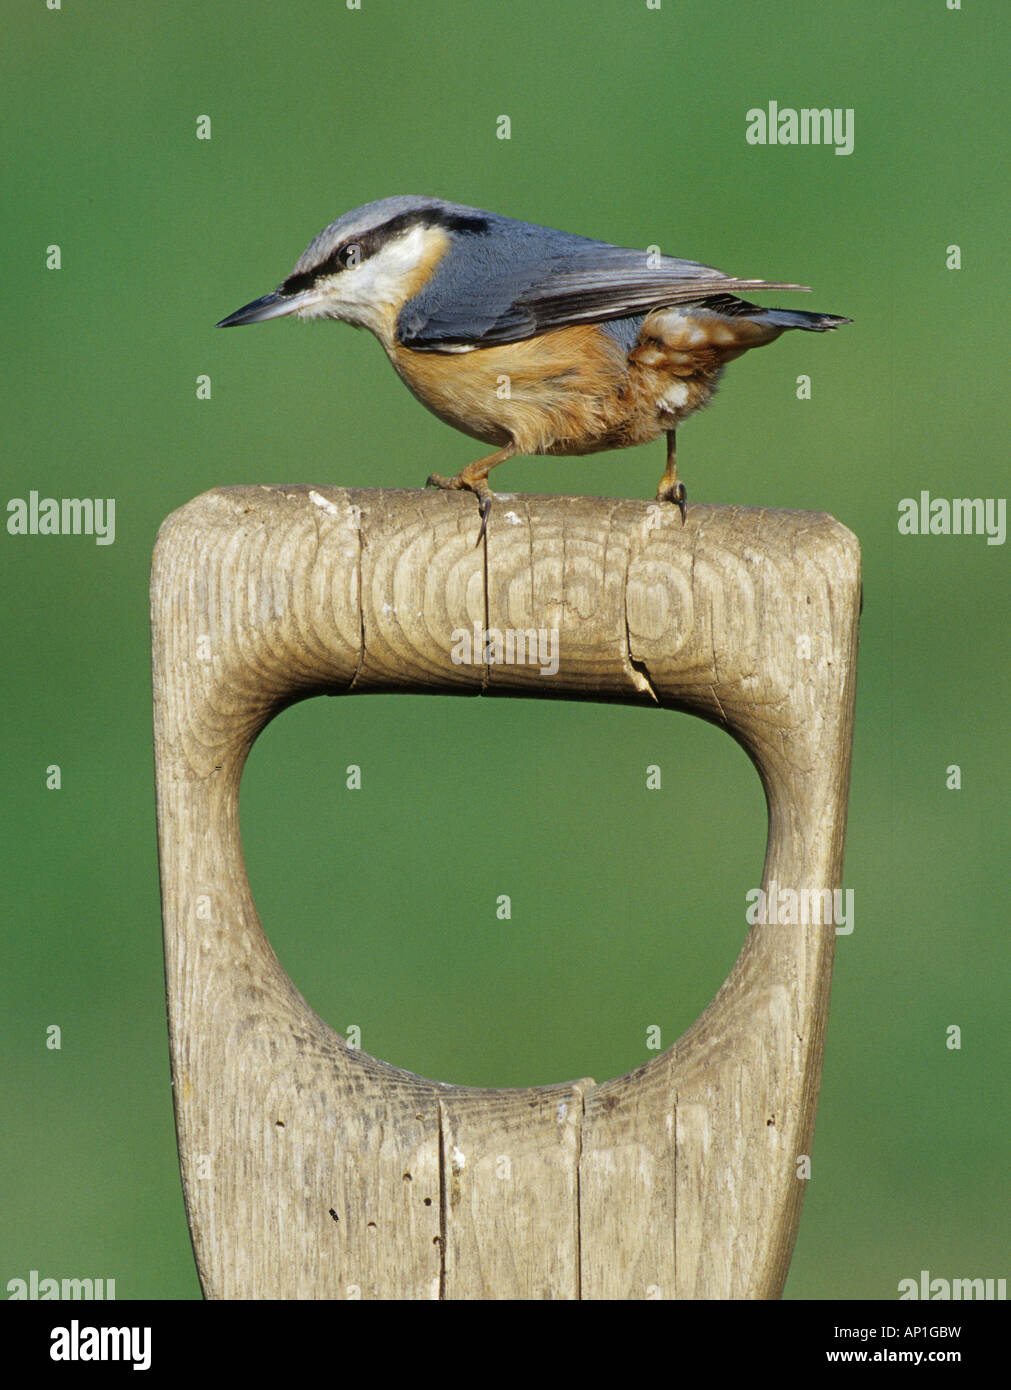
311, 1170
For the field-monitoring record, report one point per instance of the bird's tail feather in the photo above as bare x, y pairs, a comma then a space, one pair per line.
800, 318
729, 306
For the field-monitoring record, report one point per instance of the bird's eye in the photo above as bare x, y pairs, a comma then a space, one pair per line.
351, 255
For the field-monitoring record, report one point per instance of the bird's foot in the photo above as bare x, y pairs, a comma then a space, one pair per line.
474, 478
676, 492
478, 486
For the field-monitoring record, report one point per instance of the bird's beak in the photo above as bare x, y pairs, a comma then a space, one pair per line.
272, 306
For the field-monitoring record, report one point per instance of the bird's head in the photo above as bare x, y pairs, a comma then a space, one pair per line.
364, 267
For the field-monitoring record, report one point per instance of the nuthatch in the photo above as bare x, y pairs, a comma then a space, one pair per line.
532, 340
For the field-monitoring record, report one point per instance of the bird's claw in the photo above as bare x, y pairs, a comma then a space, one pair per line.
676, 493
484, 501
479, 487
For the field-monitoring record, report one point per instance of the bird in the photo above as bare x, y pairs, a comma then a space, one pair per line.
529, 339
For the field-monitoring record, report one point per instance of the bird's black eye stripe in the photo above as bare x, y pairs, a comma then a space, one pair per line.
352, 252
344, 257
295, 284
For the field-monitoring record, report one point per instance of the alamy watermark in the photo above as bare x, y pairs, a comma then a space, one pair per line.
38, 1286
776, 125
800, 907
63, 516
77, 1343
956, 1289
959, 516
510, 646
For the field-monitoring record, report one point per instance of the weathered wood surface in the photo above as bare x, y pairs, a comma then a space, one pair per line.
314, 1171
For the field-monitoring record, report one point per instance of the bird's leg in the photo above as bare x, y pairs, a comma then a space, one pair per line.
475, 479
671, 489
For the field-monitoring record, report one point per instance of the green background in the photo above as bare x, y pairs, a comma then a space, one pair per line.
627, 124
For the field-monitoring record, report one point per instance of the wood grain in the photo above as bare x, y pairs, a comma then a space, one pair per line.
311, 1170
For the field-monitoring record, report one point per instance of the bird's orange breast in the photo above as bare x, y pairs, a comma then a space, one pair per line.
575, 390
560, 392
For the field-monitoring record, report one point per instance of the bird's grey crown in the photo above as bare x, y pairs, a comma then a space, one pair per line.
375, 222
386, 216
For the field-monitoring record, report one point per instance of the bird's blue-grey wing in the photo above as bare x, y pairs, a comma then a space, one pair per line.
527, 280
